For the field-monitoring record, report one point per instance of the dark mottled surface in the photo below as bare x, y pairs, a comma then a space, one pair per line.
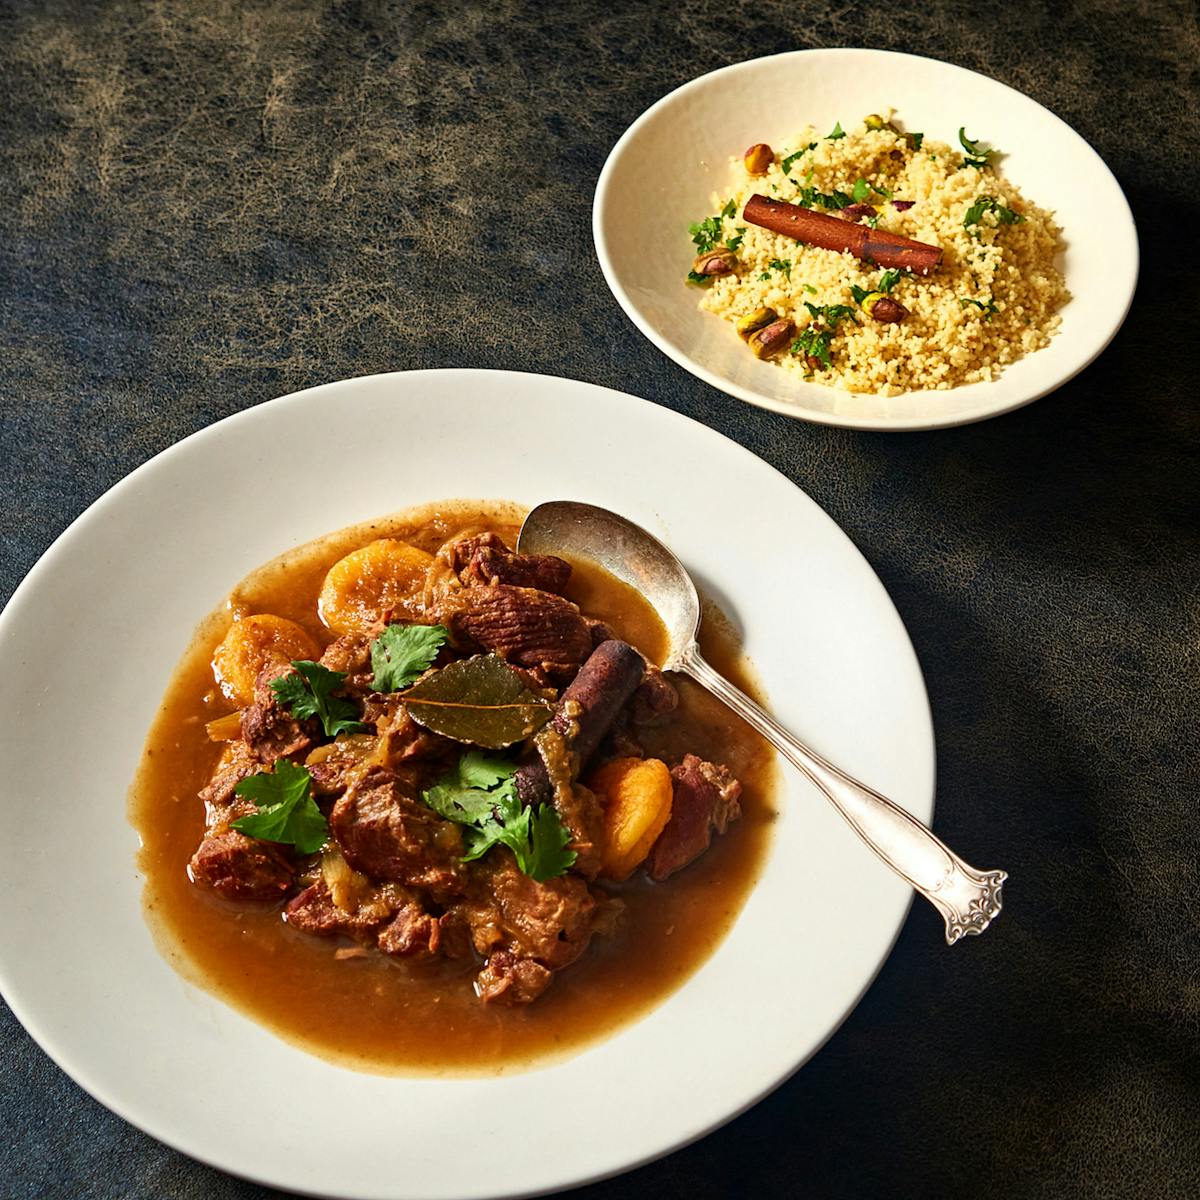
205, 205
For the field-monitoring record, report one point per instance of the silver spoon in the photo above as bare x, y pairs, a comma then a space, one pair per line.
968, 899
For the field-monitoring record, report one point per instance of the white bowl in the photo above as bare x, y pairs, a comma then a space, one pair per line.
660, 175
87, 645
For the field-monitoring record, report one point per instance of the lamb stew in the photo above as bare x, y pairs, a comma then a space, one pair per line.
418, 802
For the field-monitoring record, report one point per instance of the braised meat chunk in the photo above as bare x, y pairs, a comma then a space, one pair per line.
241, 868
389, 835
485, 559
523, 625
705, 801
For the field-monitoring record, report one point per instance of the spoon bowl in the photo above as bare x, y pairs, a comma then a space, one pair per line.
629, 553
968, 899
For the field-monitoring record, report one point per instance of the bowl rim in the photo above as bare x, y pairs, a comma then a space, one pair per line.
788, 408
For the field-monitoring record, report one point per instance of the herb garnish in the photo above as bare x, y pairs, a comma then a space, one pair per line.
989, 204
887, 281
810, 198
814, 344
735, 242
480, 794
861, 190
781, 264
808, 287
988, 308
286, 812
706, 234
401, 654
975, 157
838, 132
698, 279
915, 140
832, 314
786, 164
309, 693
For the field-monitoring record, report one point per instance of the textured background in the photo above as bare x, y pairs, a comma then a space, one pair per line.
203, 206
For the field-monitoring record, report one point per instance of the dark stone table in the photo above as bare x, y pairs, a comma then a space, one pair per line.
205, 205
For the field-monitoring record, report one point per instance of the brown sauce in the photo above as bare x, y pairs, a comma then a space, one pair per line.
376, 1014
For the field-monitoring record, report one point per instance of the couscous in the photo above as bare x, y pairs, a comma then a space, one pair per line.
984, 289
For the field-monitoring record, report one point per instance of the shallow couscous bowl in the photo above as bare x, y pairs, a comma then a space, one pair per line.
664, 172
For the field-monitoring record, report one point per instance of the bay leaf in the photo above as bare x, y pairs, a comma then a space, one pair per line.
480, 700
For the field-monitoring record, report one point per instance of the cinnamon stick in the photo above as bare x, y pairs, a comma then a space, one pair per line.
830, 233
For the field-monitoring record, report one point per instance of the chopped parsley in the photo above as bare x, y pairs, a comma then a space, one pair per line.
975, 157
811, 198
808, 287
401, 654
989, 204
706, 234
831, 314
781, 264
309, 693
988, 308
814, 343
480, 793
786, 164
735, 242
861, 190
886, 282
838, 132
287, 813
698, 279
915, 140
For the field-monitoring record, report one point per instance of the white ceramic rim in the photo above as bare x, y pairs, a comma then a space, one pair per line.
888, 898
1087, 355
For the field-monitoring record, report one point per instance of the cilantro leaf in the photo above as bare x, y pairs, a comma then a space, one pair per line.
859, 293
838, 132
786, 164
401, 654
975, 157
286, 812
781, 264
810, 198
309, 693
989, 204
479, 770
814, 344
832, 314
734, 243
889, 279
480, 793
468, 792
548, 854
706, 234
861, 190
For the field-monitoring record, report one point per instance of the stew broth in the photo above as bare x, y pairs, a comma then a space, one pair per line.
375, 1013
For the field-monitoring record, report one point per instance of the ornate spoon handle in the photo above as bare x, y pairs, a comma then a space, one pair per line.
968, 899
